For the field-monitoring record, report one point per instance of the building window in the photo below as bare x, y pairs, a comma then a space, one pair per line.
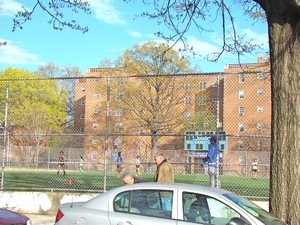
187, 115
120, 81
171, 86
222, 147
241, 127
260, 92
191, 126
215, 99
96, 95
202, 100
240, 144
95, 110
188, 146
81, 130
241, 110
83, 89
260, 108
119, 96
199, 146
242, 78
81, 116
241, 160
187, 86
118, 143
119, 112
260, 76
94, 156
265, 59
242, 94
202, 86
259, 125
259, 143
95, 125
82, 102
94, 141
118, 127
187, 100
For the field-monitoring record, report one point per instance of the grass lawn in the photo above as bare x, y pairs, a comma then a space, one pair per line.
94, 182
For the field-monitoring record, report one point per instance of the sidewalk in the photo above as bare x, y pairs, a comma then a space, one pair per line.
41, 219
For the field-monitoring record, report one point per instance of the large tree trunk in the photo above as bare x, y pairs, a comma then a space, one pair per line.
284, 36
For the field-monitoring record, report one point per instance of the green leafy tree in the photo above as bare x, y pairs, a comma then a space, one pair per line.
153, 97
36, 107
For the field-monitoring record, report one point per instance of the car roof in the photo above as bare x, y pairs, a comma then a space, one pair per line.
154, 185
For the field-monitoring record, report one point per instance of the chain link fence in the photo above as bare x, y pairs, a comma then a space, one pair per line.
98, 116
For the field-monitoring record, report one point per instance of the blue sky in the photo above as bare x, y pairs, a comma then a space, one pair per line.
112, 28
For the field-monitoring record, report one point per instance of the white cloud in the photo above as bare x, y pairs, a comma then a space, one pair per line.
201, 47
136, 34
106, 12
9, 7
10, 54
257, 38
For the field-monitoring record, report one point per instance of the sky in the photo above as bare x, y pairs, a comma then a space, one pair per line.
113, 27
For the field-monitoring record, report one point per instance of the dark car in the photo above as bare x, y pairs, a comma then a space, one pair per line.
12, 218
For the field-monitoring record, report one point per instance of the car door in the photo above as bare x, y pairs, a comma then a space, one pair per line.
147, 207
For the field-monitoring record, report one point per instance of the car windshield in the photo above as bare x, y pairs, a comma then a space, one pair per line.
254, 210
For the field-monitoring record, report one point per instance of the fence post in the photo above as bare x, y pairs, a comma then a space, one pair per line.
106, 133
4, 136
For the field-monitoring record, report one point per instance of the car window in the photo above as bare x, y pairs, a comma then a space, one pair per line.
156, 203
204, 209
121, 202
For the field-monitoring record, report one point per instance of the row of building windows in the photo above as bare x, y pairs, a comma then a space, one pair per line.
187, 87
242, 77
241, 111
119, 126
259, 92
241, 143
199, 146
187, 114
187, 100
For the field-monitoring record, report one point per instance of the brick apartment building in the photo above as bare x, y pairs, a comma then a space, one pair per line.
239, 99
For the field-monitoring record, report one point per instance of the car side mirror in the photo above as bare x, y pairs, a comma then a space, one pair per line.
236, 221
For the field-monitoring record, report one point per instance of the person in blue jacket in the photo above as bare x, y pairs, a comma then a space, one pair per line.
119, 165
211, 160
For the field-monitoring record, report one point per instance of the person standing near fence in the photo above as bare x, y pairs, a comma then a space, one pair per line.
211, 160
137, 165
254, 168
164, 171
119, 165
61, 164
81, 164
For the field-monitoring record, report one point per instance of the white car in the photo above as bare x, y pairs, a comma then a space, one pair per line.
168, 204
